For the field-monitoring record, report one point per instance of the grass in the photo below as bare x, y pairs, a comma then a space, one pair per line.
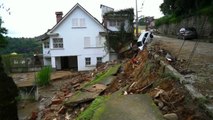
96, 106
43, 76
112, 70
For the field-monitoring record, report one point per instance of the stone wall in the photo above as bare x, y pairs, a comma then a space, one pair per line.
201, 23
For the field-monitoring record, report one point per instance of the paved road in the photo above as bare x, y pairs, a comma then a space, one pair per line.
202, 61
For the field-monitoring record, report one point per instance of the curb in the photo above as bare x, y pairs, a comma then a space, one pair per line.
194, 93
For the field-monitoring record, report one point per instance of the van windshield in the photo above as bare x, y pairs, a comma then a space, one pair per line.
139, 44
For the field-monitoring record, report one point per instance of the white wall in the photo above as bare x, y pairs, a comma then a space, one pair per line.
73, 40
58, 63
117, 28
81, 61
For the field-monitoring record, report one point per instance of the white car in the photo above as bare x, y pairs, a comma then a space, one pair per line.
145, 38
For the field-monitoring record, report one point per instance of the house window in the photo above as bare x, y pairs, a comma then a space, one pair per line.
78, 22
112, 23
99, 60
58, 43
88, 61
46, 45
98, 42
118, 23
87, 42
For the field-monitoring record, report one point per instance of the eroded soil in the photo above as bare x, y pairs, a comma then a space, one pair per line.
141, 75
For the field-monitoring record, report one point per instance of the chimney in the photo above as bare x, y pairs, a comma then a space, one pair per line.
58, 16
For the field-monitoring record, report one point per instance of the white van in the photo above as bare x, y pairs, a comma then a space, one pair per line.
145, 38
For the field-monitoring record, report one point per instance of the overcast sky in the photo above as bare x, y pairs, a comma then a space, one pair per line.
30, 18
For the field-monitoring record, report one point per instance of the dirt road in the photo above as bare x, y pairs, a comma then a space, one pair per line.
201, 62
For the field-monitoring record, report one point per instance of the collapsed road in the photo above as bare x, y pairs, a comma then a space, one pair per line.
112, 86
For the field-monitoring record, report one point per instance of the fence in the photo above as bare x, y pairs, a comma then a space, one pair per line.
22, 63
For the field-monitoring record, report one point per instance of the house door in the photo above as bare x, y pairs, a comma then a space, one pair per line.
69, 62
64, 63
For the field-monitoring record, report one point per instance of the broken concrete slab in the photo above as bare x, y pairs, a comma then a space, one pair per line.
128, 107
80, 97
95, 88
107, 81
87, 94
92, 89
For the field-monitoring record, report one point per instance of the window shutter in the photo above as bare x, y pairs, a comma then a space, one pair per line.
75, 22
86, 41
82, 22
98, 41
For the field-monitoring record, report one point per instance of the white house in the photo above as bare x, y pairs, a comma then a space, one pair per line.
75, 42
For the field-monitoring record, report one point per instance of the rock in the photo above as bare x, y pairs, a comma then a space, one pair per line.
55, 107
160, 104
68, 95
160, 91
82, 109
171, 116
56, 101
96, 88
76, 85
165, 108
125, 93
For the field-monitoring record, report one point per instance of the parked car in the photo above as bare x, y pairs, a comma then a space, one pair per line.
187, 33
145, 38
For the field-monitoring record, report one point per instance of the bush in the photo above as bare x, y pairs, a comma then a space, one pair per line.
167, 19
43, 76
207, 11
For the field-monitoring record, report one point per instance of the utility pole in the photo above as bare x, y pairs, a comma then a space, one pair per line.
136, 21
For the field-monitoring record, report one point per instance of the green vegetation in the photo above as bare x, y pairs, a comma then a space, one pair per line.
208, 11
96, 107
112, 70
21, 46
122, 38
168, 19
43, 76
175, 10
142, 22
3, 31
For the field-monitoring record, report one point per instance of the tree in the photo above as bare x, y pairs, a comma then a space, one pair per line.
183, 7
21, 46
3, 31
8, 89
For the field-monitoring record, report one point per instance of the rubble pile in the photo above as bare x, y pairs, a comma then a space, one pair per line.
144, 75
54, 107
137, 75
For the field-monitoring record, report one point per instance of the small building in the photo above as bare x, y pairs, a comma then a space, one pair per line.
75, 42
113, 20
